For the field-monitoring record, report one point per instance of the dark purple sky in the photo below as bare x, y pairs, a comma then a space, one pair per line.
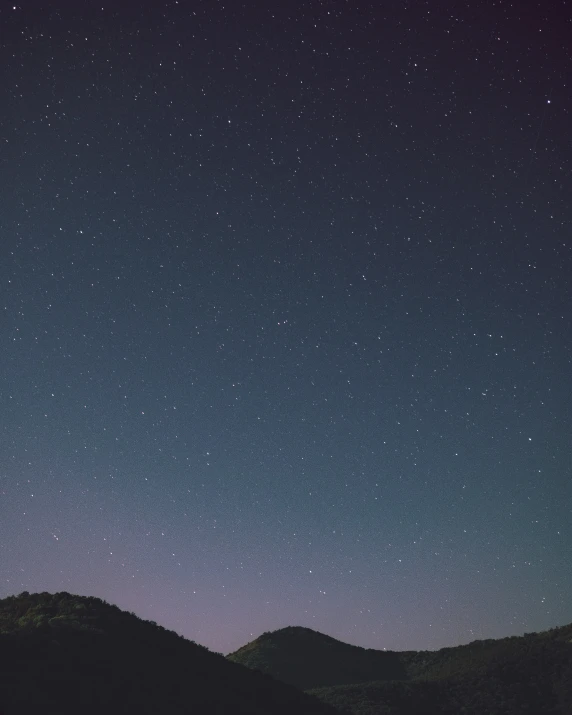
286, 315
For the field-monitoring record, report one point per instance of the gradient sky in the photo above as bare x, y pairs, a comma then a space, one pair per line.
286, 315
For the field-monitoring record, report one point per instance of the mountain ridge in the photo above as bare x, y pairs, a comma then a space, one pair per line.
514, 675
61, 652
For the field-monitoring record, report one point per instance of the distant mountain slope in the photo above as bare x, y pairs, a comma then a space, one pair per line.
62, 655
511, 676
391, 698
308, 659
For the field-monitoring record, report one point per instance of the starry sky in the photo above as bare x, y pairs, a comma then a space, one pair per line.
286, 315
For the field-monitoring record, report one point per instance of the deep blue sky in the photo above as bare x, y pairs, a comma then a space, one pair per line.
286, 315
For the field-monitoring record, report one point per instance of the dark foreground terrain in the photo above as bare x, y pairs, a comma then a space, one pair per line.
62, 654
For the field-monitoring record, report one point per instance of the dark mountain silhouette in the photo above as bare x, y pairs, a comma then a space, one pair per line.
62, 654
308, 659
529, 674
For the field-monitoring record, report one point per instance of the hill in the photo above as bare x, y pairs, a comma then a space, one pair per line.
528, 674
308, 659
66, 654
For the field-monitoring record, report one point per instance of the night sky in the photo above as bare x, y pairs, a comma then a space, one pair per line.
286, 315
